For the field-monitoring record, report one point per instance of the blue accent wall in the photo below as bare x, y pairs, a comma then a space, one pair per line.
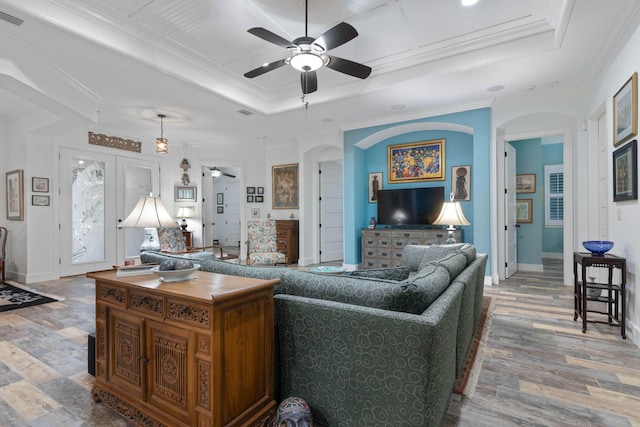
467, 138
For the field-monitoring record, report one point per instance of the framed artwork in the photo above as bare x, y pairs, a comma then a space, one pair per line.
220, 198
258, 199
375, 184
220, 209
284, 179
416, 162
185, 194
526, 183
461, 182
251, 190
249, 199
260, 190
524, 211
39, 185
625, 172
255, 213
14, 189
38, 200
625, 111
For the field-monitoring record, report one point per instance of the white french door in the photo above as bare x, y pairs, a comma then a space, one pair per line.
97, 190
510, 215
331, 212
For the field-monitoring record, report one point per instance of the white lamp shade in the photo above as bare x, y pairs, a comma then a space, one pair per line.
451, 214
149, 212
185, 213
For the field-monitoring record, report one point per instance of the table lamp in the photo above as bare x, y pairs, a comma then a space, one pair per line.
184, 213
451, 215
149, 213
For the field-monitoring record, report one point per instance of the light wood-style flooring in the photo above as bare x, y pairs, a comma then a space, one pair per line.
539, 369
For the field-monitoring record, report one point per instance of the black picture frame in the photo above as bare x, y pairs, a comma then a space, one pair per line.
260, 190
220, 198
39, 185
258, 199
249, 199
625, 172
220, 209
40, 200
251, 190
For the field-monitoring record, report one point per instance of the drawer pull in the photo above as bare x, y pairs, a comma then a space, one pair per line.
439, 235
406, 234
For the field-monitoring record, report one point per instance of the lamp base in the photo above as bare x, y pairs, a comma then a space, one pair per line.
151, 241
183, 225
451, 237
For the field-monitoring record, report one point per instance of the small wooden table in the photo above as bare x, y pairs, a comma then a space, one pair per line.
615, 292
191, 353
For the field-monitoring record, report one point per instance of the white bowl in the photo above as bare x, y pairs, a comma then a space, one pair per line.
176, 275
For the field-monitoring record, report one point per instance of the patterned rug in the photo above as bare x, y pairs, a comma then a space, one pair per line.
466, 384
12, 297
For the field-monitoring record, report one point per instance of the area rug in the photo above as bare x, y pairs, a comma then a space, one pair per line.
466, 383
13, 297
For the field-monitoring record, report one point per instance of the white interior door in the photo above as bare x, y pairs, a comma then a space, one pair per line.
87, 211
230, 219
510, 214
331, 211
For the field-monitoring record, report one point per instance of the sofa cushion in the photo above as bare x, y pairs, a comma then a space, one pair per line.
430, 281
392, 273
454, 262
379, 293
469, 251
413, 255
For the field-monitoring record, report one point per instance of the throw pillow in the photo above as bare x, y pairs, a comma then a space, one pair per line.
454, 262
431, 281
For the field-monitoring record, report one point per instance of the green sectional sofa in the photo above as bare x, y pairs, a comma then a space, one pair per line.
373, 347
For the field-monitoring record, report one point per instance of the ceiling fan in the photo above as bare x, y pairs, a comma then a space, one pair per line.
308, 54
216, 173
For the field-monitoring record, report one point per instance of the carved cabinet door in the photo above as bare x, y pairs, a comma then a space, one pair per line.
126, 358
171, 385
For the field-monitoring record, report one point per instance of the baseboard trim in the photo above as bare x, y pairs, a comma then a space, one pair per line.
552, 255
539, 268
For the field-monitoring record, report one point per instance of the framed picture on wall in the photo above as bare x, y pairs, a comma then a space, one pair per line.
184, 194
625, 111
39, 185
220, 198
524, 211
375, 184
461, 182
526, 183
39, 200
285, 191
625, 173
416, 162
14, 189
220, 209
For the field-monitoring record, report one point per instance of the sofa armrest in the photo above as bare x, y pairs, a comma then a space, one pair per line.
361, 366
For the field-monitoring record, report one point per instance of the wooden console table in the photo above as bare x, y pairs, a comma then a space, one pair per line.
615, 292
190, 353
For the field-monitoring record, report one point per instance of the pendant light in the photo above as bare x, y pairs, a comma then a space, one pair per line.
162, 145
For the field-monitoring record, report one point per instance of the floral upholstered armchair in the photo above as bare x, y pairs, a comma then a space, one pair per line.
262, 246
171, 239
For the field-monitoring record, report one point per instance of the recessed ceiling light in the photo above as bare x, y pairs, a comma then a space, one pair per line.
469, 2
397, 107
495, 88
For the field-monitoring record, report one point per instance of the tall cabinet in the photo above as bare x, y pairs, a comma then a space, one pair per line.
192, 353
288, 238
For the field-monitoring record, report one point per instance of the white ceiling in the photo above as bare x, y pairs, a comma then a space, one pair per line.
116, 64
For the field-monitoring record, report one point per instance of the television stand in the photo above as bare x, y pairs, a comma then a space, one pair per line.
382, 248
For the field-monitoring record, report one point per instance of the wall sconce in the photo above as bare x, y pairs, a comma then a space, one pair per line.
162, 144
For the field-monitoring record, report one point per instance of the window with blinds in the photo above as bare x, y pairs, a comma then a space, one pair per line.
554, 196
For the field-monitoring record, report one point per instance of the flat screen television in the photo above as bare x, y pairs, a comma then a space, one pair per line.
410, 206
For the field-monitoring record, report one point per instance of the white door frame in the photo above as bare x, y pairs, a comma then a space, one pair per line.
569, 206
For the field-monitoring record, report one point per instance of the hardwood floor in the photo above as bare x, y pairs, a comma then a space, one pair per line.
539, 369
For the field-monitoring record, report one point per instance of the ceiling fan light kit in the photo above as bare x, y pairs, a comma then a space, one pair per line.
307, 54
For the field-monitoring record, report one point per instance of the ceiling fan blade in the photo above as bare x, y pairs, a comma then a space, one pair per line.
267, 35
309, 81
336, 36
348, 67
264, 69
228, 174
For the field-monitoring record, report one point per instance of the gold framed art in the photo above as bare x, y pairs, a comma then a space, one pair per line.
625, 111
416, 162
14, 189
526, 183
524, 211
284, 179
